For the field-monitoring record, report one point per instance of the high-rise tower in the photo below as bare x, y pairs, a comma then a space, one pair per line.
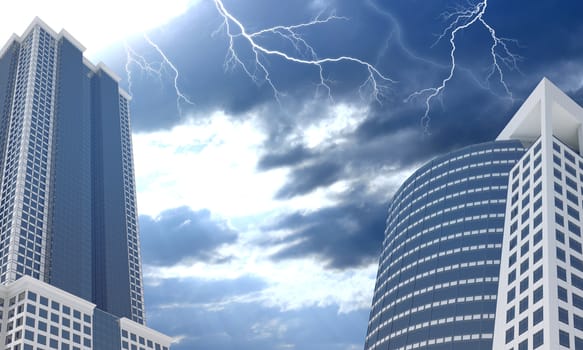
540, 294
67, 194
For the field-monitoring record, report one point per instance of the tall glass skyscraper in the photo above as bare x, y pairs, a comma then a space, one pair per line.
67, 194
483, 246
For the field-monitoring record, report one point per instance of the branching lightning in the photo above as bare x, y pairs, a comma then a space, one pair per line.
304, 54
460, 20
156, 69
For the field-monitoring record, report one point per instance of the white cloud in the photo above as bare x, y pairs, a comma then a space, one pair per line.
95, 24
205, 166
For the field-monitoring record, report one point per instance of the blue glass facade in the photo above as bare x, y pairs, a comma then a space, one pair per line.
110, 242
438, 272
71, 249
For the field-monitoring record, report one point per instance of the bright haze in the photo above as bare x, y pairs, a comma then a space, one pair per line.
264, 179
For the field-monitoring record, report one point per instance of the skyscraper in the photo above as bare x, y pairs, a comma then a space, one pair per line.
67, 194
483, 245
540, 294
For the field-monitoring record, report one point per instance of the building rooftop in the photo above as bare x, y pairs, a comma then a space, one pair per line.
547, 108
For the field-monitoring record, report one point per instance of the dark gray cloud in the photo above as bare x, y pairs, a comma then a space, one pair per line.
284, 157
342, 236
215, 324
181, 234
305, 179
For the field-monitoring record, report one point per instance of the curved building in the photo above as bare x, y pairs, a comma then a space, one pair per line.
438, 272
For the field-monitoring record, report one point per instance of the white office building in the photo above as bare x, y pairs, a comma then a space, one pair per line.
540, 291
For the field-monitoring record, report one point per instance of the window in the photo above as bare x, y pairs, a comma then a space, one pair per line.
524, 284
560, 236
576, 263
510, 314
523, 345
578, 322
524, 266
564, 338
523, 325
509, 335
537, 237
524, 249
523, 234
510, 295
573, 198
574, 228
538, 339
537, 274
576, 281
512, 276
537, 220
558, 203
560, 254
523, 305
537, 294
537, 316
574, 245
559, 220
558, 188
572, 212
561, 273
513, 243
562, 294
577, 301
563, 316
538, 254
512, 260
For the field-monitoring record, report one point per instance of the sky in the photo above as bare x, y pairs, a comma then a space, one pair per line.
269, 137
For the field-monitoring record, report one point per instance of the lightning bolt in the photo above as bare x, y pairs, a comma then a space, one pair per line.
460, 20
375, 81
156, 69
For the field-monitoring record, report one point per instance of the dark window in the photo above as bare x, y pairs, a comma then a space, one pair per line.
538, 339
578, 322
523, 305
560, 236
562, 293
537, 316
509, 335
537, 237
510, 295
538, 254
510, 314
564, 338
537, 294
524, 284
537, 274
577, 301
523, 325
574, 228
512, 276
524, 266
576, 263
563, 315
524, 249
561, 273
